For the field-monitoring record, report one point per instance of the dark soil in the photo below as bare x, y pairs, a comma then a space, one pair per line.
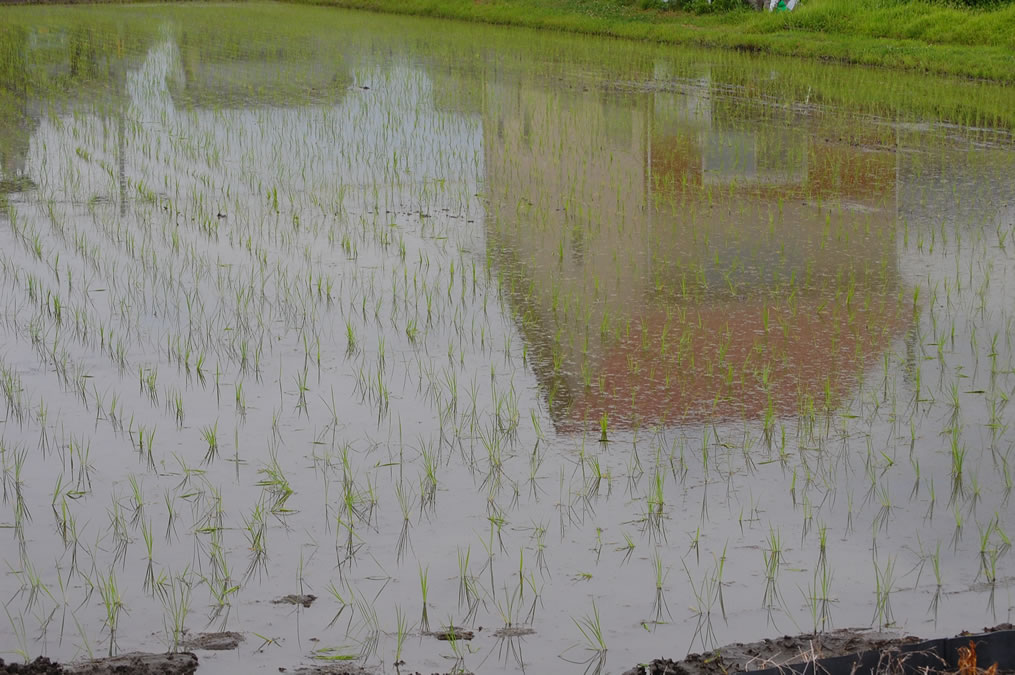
777, 652
770, 653
137, 663
40, 666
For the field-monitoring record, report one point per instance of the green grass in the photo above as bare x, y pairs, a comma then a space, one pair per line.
920, 36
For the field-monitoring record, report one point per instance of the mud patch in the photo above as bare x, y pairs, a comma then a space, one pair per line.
223, 641
331, 669
291, 599
771, 653
40, 666
847, 650
454, 634
137, 663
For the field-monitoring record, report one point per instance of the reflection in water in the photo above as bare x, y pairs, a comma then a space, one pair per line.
16, 125
214, 66
234, 70
678, 255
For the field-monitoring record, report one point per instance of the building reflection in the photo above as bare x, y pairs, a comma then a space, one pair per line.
684, 255
85, 68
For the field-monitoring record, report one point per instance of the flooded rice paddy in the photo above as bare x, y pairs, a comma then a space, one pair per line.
597, 351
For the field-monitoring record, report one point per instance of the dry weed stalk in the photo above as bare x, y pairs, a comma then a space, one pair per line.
967, 662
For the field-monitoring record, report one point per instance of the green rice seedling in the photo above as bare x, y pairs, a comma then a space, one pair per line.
18, 627
773, 561
659, 606
404, 504
137, 500
402, 629
265, 642
706, 595
199, 367
627, 548
275, 484
957, 533
424, 588
210, 435
255, 531
334, 654
591, 630
958, 457
452, 638
301, 391
464, 589
884, 585
241, 399
113, 603
149, 541
343, 599
32, 585
370, 625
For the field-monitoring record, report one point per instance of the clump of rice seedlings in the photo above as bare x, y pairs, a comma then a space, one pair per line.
818, 595
343, 599
275, 484
659, 607
255, 531
591, 630
773, 561
113, 604
210, 436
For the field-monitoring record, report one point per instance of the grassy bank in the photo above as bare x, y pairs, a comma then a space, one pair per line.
921, 36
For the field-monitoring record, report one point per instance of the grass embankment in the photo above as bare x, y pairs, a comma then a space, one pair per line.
915, 35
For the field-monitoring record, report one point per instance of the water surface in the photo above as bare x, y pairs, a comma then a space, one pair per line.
456, 325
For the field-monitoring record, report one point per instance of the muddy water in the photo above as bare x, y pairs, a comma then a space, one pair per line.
527, 335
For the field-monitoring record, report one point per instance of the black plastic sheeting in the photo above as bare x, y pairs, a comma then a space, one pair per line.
929, 656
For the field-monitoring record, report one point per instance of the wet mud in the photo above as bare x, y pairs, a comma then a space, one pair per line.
134, 663
219, 642
40, 666
785, 651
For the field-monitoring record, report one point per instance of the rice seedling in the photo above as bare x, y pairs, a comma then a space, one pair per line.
424, 620
884, 576
590, 627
